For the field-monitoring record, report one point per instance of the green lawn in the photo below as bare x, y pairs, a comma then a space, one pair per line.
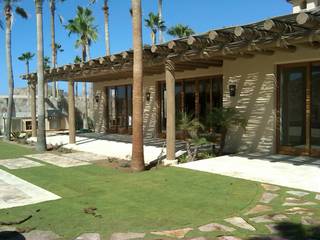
10, 150
161, 199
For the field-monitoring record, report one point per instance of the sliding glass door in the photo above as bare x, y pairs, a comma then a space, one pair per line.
299, 109
194, 97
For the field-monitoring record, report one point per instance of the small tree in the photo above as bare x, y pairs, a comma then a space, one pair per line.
222, 119
190, 127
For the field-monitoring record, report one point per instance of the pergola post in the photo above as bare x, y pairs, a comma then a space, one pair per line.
33, 93
171, 112
71, 113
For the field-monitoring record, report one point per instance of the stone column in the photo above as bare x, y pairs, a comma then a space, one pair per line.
71, 113
171, 112
33, 103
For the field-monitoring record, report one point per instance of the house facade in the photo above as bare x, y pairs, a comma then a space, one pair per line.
269, 71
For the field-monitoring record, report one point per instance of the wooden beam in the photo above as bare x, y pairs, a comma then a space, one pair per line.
308, 21
160, 49
219, 36
277, 26
178, 45
249, 33
102, 60
198, 42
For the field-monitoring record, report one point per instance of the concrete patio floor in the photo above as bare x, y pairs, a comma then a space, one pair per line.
112, 145
287, 171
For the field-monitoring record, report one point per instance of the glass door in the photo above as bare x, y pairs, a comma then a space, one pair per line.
299, 109
315, 109
120, 109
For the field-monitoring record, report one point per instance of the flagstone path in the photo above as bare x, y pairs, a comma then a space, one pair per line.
19, 163
58, 160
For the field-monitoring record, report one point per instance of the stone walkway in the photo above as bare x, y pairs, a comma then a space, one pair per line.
58, 160
15, 192
19, 163
263, 169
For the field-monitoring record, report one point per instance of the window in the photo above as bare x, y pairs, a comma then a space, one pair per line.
28, 125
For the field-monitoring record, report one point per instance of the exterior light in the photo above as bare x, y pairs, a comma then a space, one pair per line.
97, 98
148, 96
232, 90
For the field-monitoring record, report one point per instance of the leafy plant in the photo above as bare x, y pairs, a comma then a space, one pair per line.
222, 119
190, 127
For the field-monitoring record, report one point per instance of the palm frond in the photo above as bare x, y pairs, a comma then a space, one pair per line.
21, 12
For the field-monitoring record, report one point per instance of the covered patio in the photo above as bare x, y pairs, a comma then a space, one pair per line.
209, 50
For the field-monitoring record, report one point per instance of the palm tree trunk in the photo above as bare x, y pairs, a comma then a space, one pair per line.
53, 41
41, 136
84, 94
106, 26
137, 126
160, 18
9, 72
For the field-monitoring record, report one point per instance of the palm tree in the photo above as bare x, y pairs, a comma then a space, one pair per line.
137, 126
180, 31
105, 9
83, 26
26, 57
46, 62
77, 60
58, 49
160, 18
41, 136
155, 25
7, 7
52, 4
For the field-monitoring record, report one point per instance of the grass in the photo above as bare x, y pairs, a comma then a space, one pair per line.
10, 150
167, 198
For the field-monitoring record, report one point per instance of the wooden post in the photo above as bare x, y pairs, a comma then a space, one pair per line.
71, 115
33, 108
171, 111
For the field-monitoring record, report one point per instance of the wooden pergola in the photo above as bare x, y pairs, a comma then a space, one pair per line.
283, 33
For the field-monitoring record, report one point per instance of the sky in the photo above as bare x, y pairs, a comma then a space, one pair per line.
200, 15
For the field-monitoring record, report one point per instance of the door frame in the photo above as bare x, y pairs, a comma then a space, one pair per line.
307, 151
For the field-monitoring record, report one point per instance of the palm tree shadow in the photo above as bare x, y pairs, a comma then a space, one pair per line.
293, 231
11, 235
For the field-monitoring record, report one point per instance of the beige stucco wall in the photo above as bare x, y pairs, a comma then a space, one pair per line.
256, 88
256, 97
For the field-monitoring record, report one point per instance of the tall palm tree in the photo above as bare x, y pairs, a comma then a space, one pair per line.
8, 5
161, 39
180, 31
137, 126
41, 136
105, 9
155, 24
83, 26
52, 4
58, 49
77, 60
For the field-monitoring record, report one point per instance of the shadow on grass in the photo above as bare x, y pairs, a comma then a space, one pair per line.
8, 235
293, 231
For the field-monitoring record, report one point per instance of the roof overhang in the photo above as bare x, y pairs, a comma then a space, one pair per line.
284, 33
